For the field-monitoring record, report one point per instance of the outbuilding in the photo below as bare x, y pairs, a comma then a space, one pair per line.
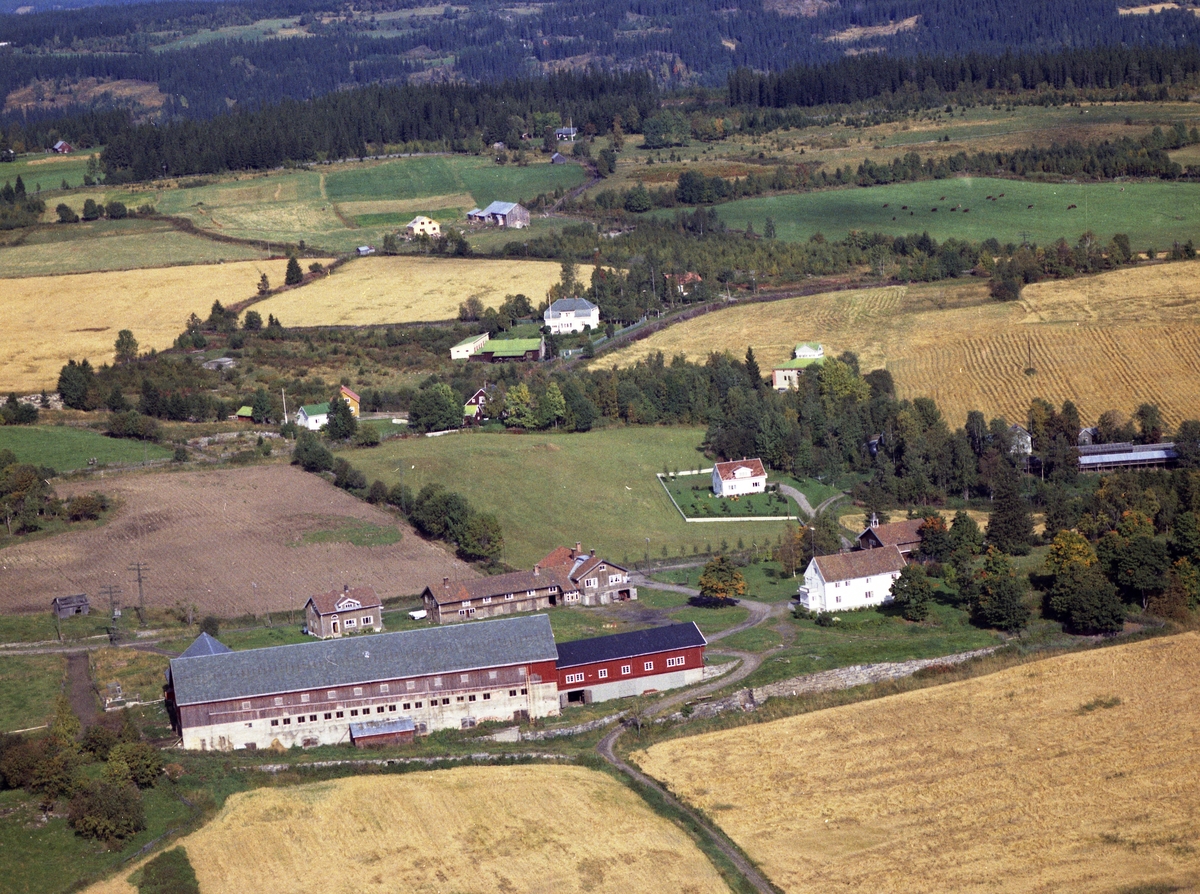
69, 606
343, 611
377, 734
624, 664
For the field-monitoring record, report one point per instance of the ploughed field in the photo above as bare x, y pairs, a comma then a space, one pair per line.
1073, 773
551, 829
233, 542
1112, 341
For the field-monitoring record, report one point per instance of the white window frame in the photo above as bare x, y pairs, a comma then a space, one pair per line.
366, 621
648, 665
602, 673
349, 622
626, 668
677, 661
573, 678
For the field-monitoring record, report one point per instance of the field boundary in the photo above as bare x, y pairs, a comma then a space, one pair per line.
740, 518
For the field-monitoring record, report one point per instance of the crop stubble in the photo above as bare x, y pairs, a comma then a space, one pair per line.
557, 830
1073, 773
230, 541
1112, 341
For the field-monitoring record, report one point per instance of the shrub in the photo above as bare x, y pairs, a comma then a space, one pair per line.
310, 454
367, 436
142, 758
85, 506
347, 477
211, 625
169, 873
107, 812
180, 455
98, 741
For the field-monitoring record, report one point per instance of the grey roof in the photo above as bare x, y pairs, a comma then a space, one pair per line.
382, 728
362, 659
65, 601
630, 645
1126, 454
205, 645
500, 208
562, 305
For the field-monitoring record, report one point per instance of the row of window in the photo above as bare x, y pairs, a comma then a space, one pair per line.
602, 673
384, 688
380, 709
367, 621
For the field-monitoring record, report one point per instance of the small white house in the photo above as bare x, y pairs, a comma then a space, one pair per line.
313, 416
809, 350
850, 580
743, 476
1022, 440
423, 226
571, 315
468, 346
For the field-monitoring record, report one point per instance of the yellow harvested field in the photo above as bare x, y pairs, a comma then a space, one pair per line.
547, 829
377, 290
50, 319
1112, 341
1076, 773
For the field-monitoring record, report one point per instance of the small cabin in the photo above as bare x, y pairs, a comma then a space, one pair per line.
69, 606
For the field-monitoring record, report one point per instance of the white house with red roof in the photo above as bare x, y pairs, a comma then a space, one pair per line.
343, 611
742, 476
846, 581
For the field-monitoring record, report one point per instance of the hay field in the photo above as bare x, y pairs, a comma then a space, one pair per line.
231, 541
409, 289
1111, 341
50, 319
1004, 783
557, 830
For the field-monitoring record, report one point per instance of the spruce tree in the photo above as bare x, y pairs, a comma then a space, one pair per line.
1010, 528
752, 370
294, 275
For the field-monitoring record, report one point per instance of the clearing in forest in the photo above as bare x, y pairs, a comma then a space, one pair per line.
51, 319
513, 829
1073, 773
1111, 341
406, 289
232, 542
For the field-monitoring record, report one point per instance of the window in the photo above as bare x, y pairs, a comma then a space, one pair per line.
530, 593
553, 589
391, 707
300, 719
383, 687
410, 685
520, 671
464, 612
487, 696
304, 697
487, 600
524, 692
614, 578
602, 673
278, 701
626, 668
675, 662
466, 603
837, 599
350, 622
245, 706
366, 621
331, 694
464, 678
341, 713
470, 698
574, 678
274, 723
512, 693
287, 721
491, 675
591, 582
869, 594
408, 706
460, 698
378, 710
649, 665
508, 595
445, 701
419, 704
437, 682
358, 690
329, 716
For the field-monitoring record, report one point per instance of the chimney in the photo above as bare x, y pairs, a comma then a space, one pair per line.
593, 554
446, 583
345, 588
578, 549
537, 570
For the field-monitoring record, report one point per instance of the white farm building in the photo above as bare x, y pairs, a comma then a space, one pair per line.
847, 581
743, 476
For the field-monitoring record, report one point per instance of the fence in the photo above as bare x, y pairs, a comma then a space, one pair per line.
739, 518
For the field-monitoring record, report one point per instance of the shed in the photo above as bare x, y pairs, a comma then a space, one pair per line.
245, 414
400, 731
558, 159
68, 606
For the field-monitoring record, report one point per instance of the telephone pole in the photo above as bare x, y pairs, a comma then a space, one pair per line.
142, 570
111, 592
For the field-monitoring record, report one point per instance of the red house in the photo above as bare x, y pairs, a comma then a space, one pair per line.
624, 664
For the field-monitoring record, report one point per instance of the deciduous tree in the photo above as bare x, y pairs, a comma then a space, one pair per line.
912, 592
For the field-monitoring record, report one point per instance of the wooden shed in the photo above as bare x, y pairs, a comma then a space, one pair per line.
69, 606
400, 731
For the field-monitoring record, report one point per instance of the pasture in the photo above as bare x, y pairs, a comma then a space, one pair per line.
130, 244
1071, 773
407, 289
65, 448
30, 684
1153, 214
51, 319
1111, 341
44, 172
551, 489
513, 829
232, 542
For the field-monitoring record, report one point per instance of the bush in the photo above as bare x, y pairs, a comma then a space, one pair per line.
310, 454
180, 455
378, 492
252, 322
142, 758
116, 211
85, 506
827, 619
366, 436
107, 812
98, 741
169, 873
211, 625
134, 425
347, 477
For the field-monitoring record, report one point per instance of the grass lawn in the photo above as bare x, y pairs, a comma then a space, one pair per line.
139, 673
65, 449
765, 581
756, 639
1153, 214
30, 684
46, 172
355, 532
548, 490
694, 497
868, 637
113, 245
40, 628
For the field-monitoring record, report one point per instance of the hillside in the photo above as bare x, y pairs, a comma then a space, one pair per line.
1072, 773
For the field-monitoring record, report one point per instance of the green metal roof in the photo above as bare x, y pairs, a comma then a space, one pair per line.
315, 409
800, 363
246, 411
470, 339
513, 347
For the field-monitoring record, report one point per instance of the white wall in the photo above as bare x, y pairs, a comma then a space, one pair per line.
737, 486
834, 596
569, 321
602, 692
312, 423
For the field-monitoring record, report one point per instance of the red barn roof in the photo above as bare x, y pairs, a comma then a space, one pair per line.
728, 471
344, 599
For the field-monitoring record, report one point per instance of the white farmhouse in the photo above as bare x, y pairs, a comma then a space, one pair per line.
742, 476
571, 315
313, 416
850, 580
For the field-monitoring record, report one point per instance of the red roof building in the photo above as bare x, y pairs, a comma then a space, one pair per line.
743, 476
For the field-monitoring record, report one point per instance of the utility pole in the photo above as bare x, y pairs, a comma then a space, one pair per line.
142, 570
284, 393
111, 592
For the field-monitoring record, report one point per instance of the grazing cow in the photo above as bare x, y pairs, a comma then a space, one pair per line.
942, 199
1000, 196
893, 217
989, 197
965, 210
885, 204
903, 207
1070, 207
933, 210
1027, 207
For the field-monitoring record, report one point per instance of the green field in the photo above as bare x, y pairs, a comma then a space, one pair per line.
64, 449
30, 684
694, 497
48, 171
549, 490
1153, 214
259, 30
765, 581
112, 245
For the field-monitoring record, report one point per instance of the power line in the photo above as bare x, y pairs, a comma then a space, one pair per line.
142, 570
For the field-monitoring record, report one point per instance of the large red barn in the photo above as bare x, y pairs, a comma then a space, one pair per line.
623, 664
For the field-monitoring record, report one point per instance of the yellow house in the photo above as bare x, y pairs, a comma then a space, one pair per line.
351, 398
423, 226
